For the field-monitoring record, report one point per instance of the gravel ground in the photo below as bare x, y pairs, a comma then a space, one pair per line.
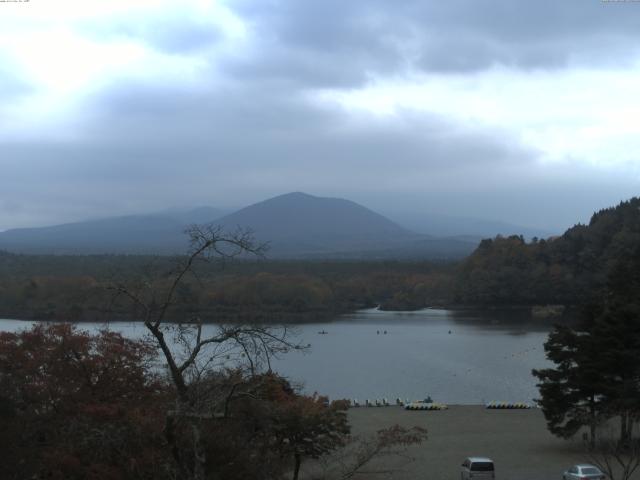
516, 440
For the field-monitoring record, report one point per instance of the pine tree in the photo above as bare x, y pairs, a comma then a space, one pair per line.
572, 392
597, 373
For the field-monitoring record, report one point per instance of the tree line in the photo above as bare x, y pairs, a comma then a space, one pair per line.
74, 288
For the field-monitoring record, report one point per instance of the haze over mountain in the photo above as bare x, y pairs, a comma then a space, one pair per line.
448, 226
188, 216
294, 225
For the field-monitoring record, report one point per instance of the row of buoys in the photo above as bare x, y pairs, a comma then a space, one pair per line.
425, 406
507, 405
385, 403
368, 403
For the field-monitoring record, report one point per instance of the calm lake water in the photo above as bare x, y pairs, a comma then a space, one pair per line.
457, 357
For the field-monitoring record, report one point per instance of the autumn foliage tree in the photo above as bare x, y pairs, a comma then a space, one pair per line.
75, 405
311, 427
305, 426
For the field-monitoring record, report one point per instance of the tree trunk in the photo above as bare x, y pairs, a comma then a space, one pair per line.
170, 435
592, 436
624, 428
296, 469
199, 452
594, 424
191, 465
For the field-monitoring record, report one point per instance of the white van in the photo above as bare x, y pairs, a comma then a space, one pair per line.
477, 468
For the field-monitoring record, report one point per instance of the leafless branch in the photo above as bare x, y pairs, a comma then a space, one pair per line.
618, 460
361, 451
198, 395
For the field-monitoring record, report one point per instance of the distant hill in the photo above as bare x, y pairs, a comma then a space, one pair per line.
161, 233
568, 269
296, 225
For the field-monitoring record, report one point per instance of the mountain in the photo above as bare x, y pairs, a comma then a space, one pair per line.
301, 225
296, 225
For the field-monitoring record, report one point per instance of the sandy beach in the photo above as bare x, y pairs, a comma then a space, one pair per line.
517, 441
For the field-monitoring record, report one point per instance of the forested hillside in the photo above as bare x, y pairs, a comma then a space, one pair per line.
564, 270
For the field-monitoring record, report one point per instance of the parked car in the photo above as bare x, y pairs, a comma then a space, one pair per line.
477, 468
583, 472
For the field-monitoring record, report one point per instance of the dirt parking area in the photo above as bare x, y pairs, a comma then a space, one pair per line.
517, 441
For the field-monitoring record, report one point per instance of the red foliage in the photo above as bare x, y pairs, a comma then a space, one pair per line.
78, 405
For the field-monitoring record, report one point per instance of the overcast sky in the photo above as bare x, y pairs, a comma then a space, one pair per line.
521, 111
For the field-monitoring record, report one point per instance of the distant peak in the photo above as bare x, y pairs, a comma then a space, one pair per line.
295, 195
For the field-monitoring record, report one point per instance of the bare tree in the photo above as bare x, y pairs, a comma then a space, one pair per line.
617, 459
191, 349
355, 461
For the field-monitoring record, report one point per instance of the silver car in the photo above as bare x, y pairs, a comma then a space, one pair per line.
583, 472
477, 468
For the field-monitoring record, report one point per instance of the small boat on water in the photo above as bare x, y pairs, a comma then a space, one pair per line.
322, 332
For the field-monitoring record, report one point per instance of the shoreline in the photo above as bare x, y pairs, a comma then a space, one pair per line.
328, 318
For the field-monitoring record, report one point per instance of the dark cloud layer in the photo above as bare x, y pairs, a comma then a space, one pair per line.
338, 43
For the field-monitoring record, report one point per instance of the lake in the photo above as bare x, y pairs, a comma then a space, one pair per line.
456, 357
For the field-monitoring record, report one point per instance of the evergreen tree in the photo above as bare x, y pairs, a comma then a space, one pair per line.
572, 392
616, 330
597, 373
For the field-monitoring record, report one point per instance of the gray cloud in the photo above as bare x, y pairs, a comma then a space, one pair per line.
341, 43
253, 125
